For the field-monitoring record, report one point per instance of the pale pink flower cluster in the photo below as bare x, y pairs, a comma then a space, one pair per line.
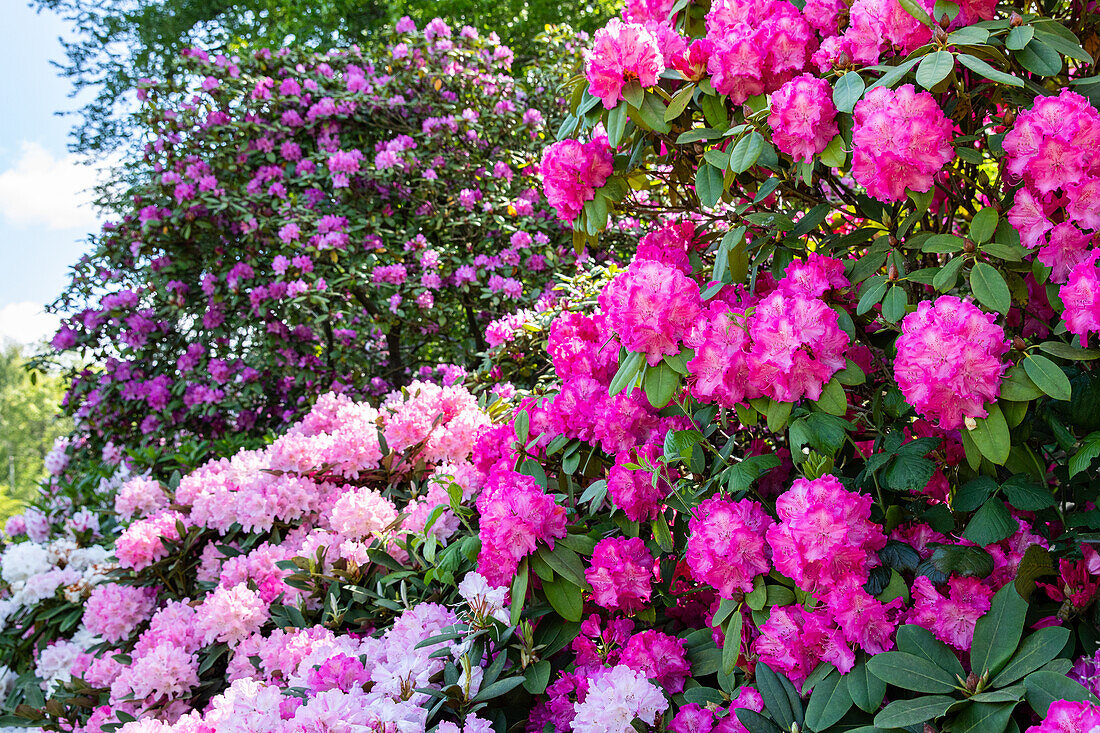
622, 53
726, 547
113, 610
950, 360
362, 513
650, 307
1053, 149
803, 117
900, 141
446, 420
143, 542
620, 574
571, 172
230, 615
757, 46
140, 495
615, 699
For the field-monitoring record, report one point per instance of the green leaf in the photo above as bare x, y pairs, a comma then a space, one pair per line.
660, 384
1089, 450
849, 88
1035, 651
866, 689
973, 494
948, 274
1015, 693
777, 414
962, 560
904, 713
920, 642
894, 75
1019, 37
991, 523
914, 9
537, 677
871, 296
991, 435
564, 562
633, 93
627, 373
834, 155
893, 305
1048, 376
661, 533
934, 68
990, 288
758, 596
1017, 386
1069, 351
1062, 40
708, 185
679, 102
1025, 495
910, 672
776, 700
616, 124
498, 688
731, 645
833, 399
754, 722
829, 702
978, 66
519, 592
1045, 687
983, 717
1039, 58
1036, 563
697, 134
746, 152
983, 225
997, 633
565, 598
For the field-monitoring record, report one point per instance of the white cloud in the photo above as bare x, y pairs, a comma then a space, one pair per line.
26, 322
40, 189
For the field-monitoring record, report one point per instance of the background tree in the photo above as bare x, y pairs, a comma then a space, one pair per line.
119, 42
29, 423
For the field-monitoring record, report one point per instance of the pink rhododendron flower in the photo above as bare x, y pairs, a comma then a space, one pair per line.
726, 547
650, 307
515, 515
803, 117
900, 140
572, 171
113, 611
622, 53
620, 574
952, 617
1081, 297
949, 360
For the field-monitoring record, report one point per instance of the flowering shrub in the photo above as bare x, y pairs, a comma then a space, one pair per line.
818, 457
302, 223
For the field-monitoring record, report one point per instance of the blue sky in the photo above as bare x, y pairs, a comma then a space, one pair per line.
43, 217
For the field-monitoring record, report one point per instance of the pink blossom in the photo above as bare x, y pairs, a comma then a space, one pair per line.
949, 360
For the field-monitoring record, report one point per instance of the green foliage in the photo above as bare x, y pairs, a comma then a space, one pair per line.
28, 426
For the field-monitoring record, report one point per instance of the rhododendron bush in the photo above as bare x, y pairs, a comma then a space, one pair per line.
817, 455
304, 222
